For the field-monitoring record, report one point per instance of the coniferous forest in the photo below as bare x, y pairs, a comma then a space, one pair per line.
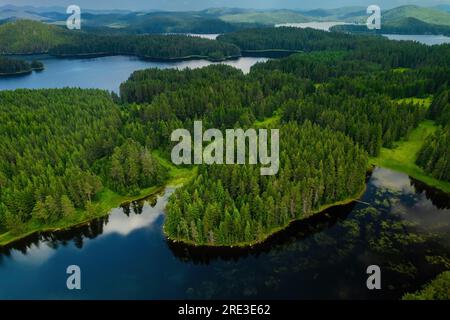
336, 105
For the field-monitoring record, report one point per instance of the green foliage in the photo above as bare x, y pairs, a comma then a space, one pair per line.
37, 65
10, 66
434, 157
228, 205
147, 46
26, 36
47, 141
438, 289
133, 167
369, 49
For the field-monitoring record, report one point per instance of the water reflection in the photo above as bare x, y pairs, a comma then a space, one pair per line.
102, 73
399, 224
123, 220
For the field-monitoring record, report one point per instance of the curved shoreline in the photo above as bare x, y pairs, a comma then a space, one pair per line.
87, 220
272, 233
20, 73
155, 59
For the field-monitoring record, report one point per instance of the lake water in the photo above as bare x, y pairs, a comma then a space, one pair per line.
104, 73
400, 225
425, 39
318, 25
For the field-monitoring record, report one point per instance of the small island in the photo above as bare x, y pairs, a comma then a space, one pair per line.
11, 67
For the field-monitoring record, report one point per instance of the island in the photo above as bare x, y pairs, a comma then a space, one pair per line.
11, 67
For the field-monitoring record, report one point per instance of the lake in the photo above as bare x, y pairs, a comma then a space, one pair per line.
399, 224
318, 25
429, 40
103, 73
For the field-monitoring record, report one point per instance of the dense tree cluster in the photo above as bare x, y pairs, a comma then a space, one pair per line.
55, 149
434, 157
147, 46
226, 205
335, 106
29, 37
407, 25
372, 121
375, 49
132, 167
12, 66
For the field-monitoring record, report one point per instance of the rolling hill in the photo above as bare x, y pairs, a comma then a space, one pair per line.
267, 17
428, 15
27, 36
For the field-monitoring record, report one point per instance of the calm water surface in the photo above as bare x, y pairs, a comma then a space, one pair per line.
399, 224
103, 73
425, 39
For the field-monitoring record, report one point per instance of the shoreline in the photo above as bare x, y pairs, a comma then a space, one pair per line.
143, 57
69, 225
272, 233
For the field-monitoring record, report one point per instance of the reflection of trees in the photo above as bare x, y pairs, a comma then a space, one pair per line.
439, 198
78, 234
296, 231
56, 239
138, 205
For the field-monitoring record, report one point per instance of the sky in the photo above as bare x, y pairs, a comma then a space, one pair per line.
185, 5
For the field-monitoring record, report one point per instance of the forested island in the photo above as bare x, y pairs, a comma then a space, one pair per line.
68, 155
9, 66
31, 37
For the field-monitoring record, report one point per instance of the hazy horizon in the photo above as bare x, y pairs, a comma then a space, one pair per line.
187, 5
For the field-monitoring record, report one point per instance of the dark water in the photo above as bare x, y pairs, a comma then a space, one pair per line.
103, 73
400, 225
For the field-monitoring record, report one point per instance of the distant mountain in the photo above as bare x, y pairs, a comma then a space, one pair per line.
347, 14
428, 15
267, 17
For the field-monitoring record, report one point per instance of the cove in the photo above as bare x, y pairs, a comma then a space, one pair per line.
399, 224
102, 73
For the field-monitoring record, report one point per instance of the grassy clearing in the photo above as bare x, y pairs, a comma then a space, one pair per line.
403, 157
268, 123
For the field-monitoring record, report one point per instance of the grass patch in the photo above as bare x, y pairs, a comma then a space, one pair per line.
423, 102
270, 122
403, 157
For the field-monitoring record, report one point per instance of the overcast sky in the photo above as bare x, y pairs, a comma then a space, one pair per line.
183, 5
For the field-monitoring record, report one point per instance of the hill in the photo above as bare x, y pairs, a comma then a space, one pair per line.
267, 17
26, 36
428, 15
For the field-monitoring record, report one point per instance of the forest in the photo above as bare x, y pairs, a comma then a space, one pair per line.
336, 105
147, 46
434, 157
31, 37
9, 66
59, 149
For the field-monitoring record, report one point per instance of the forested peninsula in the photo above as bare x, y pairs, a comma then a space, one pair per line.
31, 37
70, 154
10, 67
